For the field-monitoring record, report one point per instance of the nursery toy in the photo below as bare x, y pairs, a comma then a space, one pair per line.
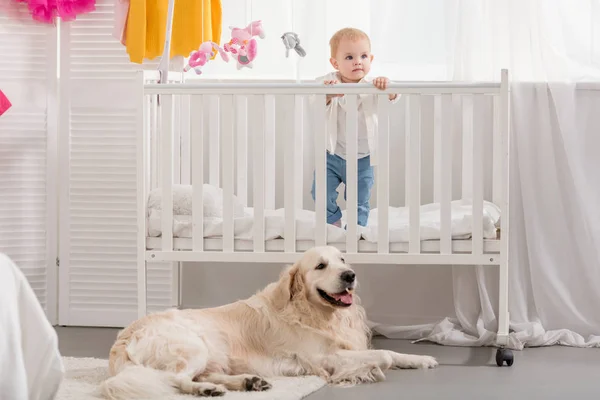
243, 45
206, 52
292, 41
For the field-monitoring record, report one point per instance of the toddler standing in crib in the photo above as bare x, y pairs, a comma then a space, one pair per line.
351, 57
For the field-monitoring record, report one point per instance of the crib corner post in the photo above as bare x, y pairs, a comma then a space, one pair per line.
503, 318
141, 155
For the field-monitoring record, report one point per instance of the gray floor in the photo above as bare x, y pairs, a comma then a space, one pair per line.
464, 373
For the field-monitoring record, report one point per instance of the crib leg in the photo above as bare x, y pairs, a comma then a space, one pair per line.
179, 285
502, 354
176, 280
503, 320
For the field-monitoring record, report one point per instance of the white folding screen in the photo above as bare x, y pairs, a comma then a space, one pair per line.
28, 205
98, 178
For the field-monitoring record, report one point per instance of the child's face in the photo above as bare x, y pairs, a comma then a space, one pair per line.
353, 59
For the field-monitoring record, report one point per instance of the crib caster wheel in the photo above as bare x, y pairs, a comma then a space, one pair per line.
503, 355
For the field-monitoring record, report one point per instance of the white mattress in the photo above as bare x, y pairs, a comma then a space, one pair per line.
461, 220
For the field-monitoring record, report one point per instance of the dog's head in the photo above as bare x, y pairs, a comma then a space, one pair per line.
323, 277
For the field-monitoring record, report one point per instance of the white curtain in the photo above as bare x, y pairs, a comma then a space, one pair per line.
550, 48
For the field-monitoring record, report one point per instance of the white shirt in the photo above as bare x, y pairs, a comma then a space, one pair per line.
367, 122
363, 136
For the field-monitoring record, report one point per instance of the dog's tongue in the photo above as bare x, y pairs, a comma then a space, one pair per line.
344, 297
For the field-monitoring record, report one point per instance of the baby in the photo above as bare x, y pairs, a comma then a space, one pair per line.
351, 57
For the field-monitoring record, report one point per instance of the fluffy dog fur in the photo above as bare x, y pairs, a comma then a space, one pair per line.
292, 327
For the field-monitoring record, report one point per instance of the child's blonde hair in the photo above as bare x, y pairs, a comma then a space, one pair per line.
346, 33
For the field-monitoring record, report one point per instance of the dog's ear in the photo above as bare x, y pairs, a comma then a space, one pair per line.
289, 285
296, 284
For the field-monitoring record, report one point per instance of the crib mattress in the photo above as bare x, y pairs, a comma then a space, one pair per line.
274, 222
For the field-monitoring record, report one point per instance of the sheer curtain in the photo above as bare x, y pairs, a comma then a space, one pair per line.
426, 39
552, 51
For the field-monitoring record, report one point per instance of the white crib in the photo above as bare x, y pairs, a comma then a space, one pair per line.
216, 142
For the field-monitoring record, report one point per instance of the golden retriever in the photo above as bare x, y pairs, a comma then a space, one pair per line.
309, 322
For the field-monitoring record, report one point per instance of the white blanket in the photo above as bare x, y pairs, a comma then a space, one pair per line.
30, 363
461, 220
212, 201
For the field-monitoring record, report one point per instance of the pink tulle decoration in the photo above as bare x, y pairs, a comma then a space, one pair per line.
46, 11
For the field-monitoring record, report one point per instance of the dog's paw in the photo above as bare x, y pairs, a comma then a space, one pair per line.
409, 361
426, 362
256, 384
376, 375
209, 390
365, 374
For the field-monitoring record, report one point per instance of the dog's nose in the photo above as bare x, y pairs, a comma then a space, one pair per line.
348, 276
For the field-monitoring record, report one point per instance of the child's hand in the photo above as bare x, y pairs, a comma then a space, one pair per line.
331, 96
382, 83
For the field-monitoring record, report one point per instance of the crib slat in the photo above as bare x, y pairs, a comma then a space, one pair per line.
213, 142
148, 133
177, 139
383, 178
445, 182
142, 175
320, 171
155, 121
185, 167
242, 148
497, 154
197, 140
259, 179
352, 172
299, 145
290, 188
167, 111
437, 148
477, 151
270, 152
227, 131
467, 146
413, 173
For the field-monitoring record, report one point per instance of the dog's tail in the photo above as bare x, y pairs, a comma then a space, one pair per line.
139, 382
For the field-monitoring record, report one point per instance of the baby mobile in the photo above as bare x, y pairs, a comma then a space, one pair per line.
242, 46
206, 52
291, 40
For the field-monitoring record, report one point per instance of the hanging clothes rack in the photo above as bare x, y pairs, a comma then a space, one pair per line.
163, 66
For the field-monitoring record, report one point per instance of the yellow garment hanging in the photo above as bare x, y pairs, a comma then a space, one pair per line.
194, 22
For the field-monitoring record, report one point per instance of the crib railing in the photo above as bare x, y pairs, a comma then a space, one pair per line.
186, 128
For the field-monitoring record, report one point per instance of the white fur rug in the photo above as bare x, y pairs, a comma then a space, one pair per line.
83, 375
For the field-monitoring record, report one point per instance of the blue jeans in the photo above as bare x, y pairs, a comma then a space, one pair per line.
336, 174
